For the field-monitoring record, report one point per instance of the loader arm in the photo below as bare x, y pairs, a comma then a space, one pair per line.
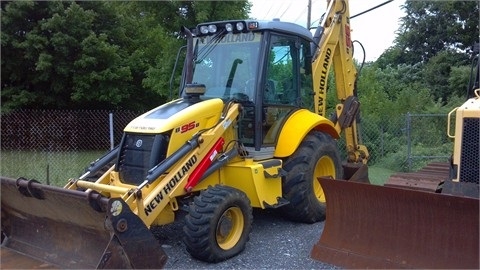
335, 47
168, 179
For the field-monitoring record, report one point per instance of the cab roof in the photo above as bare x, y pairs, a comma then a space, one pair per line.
245, 26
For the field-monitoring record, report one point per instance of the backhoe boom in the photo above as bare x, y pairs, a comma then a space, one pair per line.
335, 47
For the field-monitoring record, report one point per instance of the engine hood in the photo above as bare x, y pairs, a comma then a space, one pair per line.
175, 114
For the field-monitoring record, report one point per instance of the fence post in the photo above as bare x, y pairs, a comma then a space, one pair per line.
48, 174
409, 141
110, 115
382, 142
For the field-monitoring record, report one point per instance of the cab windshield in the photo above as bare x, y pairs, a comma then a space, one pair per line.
227, 64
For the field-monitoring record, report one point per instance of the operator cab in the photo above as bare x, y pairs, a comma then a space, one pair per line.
265, 65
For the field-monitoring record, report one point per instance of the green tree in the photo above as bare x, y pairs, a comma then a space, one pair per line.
438, 37
438, 75
386, 95
433, 26
459, 79
96, 54
71, 56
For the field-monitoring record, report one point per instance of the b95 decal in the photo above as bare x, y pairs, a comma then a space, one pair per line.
187, 127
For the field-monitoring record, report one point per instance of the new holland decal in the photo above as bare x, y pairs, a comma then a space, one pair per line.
323, 81
170, 185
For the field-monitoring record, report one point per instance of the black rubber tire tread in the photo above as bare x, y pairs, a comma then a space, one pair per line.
201, 220
297, 185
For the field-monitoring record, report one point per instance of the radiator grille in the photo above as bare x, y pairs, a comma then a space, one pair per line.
139, 153
470, 151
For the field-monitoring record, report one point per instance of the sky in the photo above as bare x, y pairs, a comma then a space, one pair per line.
375, 29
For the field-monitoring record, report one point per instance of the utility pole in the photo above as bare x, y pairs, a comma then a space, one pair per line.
309, 14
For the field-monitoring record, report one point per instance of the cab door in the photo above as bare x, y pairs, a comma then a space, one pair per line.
286, 82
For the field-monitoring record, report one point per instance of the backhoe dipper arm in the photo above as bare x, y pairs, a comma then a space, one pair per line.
335, 46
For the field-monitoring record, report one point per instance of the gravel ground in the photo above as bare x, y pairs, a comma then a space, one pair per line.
275, 243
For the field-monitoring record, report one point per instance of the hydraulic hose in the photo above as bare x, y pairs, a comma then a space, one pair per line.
163, 166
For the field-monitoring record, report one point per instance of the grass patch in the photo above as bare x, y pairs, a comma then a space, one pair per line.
378, 175
54, 168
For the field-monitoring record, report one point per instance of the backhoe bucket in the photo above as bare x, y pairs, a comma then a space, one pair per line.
51, 227
370, 226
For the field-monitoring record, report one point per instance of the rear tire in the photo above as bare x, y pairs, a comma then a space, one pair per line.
316, 156
218, 224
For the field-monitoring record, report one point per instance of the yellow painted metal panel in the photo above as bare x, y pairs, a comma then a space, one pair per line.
207, 113
249, 177
296, 128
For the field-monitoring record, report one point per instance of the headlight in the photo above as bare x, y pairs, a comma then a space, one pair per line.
227, 26
212, 28
240, 26
204, 29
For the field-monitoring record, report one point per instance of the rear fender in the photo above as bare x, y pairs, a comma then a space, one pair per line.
297, 127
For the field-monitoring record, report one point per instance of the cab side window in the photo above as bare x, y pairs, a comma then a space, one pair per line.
280, 81
286, 79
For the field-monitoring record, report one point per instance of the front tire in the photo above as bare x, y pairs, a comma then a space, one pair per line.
218, 224
316, 156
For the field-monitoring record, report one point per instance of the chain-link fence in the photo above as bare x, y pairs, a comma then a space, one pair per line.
52, 146
407, 142
427, 138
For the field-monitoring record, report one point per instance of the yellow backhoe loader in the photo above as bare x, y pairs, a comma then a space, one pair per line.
249, 131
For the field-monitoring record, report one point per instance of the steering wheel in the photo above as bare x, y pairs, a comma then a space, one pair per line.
240, 96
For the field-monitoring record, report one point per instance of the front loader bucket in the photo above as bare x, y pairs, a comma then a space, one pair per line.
370, 226
51, 227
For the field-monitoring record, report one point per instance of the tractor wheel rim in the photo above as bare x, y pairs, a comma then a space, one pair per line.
324, 167
229, 228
